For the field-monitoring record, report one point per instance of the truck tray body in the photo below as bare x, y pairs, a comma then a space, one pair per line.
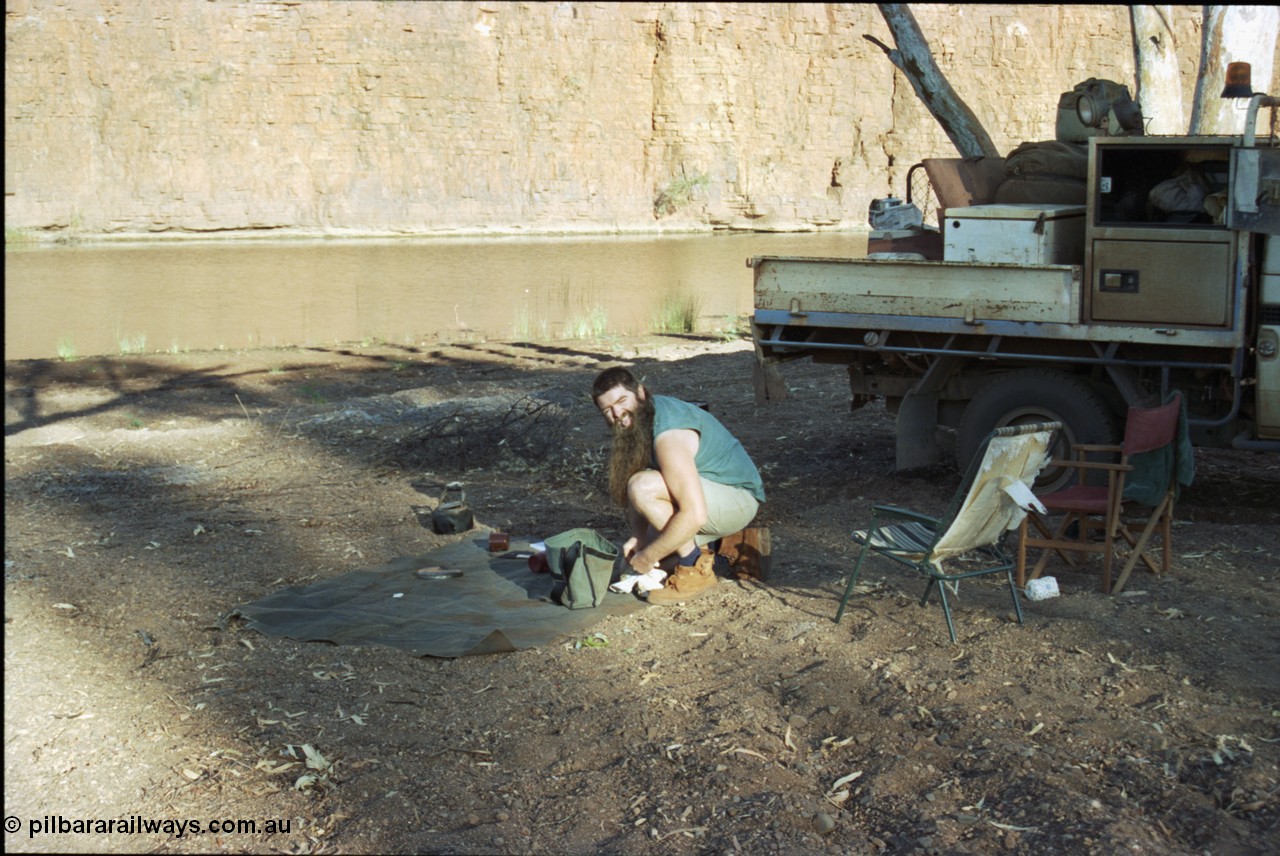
814, 302
960, 290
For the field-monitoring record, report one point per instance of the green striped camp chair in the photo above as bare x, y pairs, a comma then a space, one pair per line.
991, 502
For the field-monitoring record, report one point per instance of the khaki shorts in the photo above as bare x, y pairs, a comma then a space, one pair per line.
729, 509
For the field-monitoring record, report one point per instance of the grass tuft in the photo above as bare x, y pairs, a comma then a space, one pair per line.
312, 394
67, 350
678, 313
132, 345
679, 193
593, 325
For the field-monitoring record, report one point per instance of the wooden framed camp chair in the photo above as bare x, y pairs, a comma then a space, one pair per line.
970, 536
1150, 465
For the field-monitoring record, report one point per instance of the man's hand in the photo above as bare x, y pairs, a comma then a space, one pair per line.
637, 559
639, 562
638, 555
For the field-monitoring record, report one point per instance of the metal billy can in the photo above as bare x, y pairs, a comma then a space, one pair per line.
452, 514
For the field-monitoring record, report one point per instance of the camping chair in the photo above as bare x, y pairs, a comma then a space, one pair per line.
991, 501
1155, 459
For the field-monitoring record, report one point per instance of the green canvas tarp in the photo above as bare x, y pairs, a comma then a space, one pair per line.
496, 605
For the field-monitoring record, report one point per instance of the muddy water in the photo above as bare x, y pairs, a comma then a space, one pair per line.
78, 301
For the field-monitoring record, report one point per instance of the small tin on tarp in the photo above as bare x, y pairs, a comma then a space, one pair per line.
437, 573
499, 542
452, 514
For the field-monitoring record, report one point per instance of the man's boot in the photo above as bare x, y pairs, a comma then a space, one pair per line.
687, 582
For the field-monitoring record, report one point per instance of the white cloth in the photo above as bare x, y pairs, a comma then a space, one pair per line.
651, 581
1023, 497
995, 503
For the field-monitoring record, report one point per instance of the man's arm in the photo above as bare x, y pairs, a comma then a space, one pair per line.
675, 451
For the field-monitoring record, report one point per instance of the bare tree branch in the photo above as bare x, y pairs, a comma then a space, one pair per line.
915, 60
478, 432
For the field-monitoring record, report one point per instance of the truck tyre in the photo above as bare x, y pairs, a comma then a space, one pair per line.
1037, 395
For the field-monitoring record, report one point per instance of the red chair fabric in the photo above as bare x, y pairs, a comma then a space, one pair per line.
1145, 475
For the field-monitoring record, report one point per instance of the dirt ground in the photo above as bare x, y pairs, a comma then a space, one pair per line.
146, 497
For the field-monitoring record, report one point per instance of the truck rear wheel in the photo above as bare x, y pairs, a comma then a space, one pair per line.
1037, 395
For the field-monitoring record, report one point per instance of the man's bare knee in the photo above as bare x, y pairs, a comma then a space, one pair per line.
646, 486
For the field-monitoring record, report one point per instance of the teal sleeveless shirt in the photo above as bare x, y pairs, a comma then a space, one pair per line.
720, 457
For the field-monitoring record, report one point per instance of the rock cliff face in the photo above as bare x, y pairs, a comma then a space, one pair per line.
353, 118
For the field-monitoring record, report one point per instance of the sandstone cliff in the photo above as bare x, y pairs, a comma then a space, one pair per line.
349, 118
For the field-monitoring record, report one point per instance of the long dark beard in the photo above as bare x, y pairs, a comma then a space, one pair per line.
632, 451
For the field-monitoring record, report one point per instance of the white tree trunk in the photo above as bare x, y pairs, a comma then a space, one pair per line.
1155, 57
1232, 34
914, 58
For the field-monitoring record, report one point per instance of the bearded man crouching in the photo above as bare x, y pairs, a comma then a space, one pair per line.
684, 480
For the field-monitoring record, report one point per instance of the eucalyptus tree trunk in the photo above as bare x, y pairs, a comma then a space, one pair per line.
1232, 34
915, 60
1155, 59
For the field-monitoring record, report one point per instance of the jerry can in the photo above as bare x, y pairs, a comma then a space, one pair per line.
452, 514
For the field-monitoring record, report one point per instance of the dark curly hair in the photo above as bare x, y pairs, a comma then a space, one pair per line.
616, 376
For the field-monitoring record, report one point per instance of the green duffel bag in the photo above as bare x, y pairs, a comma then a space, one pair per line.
582, 562
1046, 173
